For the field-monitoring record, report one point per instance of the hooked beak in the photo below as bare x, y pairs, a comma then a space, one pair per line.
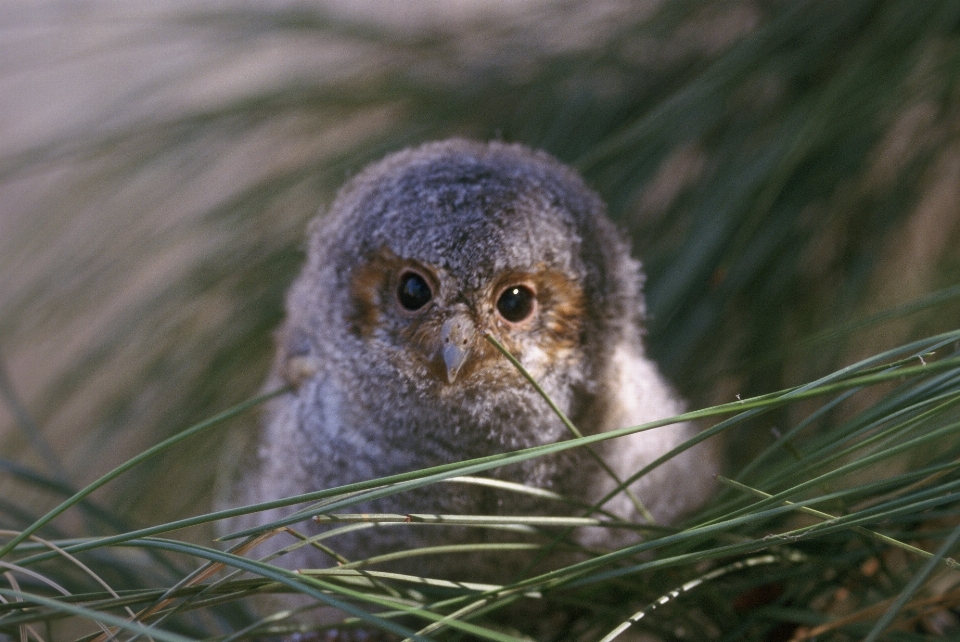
456, 337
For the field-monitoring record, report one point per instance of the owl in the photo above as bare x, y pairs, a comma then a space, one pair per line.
421, 257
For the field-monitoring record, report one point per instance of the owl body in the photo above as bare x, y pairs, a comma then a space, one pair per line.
422, 255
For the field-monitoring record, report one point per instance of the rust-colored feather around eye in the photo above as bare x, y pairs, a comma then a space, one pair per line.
561, 306
369, 287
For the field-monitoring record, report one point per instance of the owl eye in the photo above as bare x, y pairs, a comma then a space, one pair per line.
516, 303
413, 292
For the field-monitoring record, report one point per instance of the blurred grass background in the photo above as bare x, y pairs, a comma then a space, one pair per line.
784, 170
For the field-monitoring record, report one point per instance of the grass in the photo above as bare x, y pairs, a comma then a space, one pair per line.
803, 510
786, 171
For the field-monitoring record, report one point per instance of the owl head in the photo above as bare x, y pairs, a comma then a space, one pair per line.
425, 252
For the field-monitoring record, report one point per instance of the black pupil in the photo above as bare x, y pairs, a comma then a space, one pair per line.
516, 303
413, 293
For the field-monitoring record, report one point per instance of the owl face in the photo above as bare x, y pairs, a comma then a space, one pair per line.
432, 320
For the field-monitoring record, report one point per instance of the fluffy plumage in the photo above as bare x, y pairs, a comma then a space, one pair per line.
419, 255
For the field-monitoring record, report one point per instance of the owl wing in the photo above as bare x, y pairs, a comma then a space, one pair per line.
637, 394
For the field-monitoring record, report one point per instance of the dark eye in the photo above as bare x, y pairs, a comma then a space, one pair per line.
413, 291
516, 303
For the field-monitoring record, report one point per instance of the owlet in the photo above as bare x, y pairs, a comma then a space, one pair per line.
421, 256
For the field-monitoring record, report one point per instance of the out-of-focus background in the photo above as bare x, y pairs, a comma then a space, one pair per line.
783, 168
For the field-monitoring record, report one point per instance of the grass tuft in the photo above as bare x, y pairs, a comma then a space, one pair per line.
787, 172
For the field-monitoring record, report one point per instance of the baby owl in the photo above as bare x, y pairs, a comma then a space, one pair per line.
421, 256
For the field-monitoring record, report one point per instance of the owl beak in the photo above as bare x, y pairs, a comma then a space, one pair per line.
456, 336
